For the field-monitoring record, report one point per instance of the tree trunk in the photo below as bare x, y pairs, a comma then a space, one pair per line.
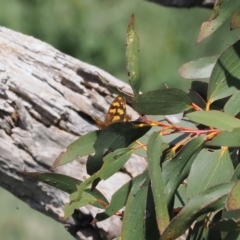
47, 100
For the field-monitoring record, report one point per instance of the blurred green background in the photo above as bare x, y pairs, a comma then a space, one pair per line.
94, 31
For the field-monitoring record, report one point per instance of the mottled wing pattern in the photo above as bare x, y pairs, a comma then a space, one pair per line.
116, 113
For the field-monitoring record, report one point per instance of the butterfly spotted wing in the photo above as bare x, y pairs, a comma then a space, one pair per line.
116, 113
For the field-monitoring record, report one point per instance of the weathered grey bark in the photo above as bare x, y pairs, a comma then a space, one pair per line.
185, 3
47, 100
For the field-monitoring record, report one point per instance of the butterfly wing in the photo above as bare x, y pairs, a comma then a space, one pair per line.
116, 111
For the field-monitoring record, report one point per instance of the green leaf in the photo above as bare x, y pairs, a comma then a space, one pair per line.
233, 200
116, 135
209, 200
87, 199
162, 102
133, 57
235, 21
228, 139
113, 162
135, 212
151, 227
66, 184
225, 225
180, 199
232, 106
197, 99
216, 119
119, 198
60, 181
208, 169
225, 78
229, 222
233, 235
174, 171
154, 152
236, 174
221, 12
199, 231
198, 69
81, 147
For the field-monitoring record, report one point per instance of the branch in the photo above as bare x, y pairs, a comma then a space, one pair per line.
185, 3
47, 100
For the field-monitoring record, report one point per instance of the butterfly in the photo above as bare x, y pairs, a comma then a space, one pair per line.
116, 113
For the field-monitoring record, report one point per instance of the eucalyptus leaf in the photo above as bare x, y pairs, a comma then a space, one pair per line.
216, 167
235, 21
216, 119
232, 106
198, 69
225, 78
221, 12
154, 152
233, 200
113, 162
135, 212
209, 200
162, 102
81, 147
224, 138
115, 136
174, 171
119, 198
68, 185
133, 57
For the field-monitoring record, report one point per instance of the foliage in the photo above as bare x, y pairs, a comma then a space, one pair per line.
193, 183
94, 32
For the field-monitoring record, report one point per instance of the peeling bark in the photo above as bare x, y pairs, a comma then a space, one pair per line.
47, 100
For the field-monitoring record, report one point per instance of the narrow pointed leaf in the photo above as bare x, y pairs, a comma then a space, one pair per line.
151, 226
81, 147
225, 78
113, 162
180, 199
216, 119
66, 184
209, 168
87, 199
235, 21
197, 99
210, 200
226, 225
119, 198
133, 57
60, 181
198, 69
236, 174
162, 102
198, 232
154, 152
233, 200
135, 213
221, 12
174, 171
115, 136
228, 139
232, 106
233, 235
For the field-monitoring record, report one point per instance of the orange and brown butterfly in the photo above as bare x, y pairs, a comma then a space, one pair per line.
116, 113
